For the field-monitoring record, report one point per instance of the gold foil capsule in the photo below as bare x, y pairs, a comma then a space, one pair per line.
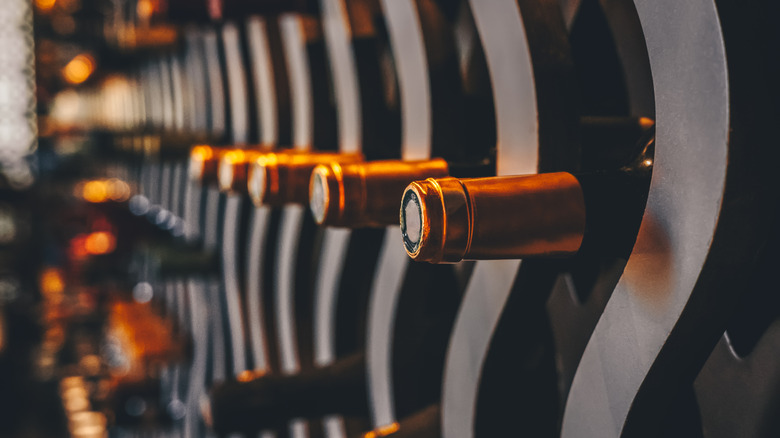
365, 194
449, 219
283, 177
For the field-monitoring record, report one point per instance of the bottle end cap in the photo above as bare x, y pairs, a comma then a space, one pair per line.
319, 195
225, 174
435, 220
256, 183
411, 221
196, 170
199, 155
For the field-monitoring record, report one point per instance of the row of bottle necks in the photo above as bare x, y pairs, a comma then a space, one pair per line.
448, 212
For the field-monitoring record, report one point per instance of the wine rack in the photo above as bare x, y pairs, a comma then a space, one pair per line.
663, 322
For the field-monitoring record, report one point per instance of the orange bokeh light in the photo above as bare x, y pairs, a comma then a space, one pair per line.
51, 281
95, 191
201, 153
79, 69
118, 190
234, 156
383, 431
100, 242
45, 5
145, 9
249, 375
99, 190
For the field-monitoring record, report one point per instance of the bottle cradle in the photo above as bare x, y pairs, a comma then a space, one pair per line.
248, 232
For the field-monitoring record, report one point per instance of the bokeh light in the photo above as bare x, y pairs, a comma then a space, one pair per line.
79, 69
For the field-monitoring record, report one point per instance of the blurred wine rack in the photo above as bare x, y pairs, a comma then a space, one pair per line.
184, 287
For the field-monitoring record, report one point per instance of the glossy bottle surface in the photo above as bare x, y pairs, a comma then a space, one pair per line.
545, 215
255, 401
234, 169
358, 195
450, 219
204, 164
283, 177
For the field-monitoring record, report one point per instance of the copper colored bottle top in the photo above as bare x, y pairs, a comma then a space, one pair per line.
283, 177
449, 219
365, 194
234, 168
204, 161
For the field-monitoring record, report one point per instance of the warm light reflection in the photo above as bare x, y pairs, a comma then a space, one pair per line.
86, 424
79, 69
100, 242
96, 243
97, 191
249, 375
90, 364
51, 281
45, 5
76, 404
201, 153
383, 431
646, 123
143, 337
118, 190
145, 9
199, 156
234, 156
75, 392
71, 382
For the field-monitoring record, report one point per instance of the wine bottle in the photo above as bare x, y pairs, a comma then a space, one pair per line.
204, 162
366, 194
234, 167
207, 162
546, 215
254, 401
283, 177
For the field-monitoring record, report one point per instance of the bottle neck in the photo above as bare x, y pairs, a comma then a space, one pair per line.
545, 215
615, 202
271, 401
612, 142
